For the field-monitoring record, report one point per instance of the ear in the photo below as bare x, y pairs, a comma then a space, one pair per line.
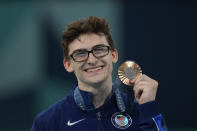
114, 56
67, 65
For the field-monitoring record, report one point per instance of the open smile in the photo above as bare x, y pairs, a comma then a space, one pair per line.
93, 69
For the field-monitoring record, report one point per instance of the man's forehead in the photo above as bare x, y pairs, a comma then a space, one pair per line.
91, 36
87, 41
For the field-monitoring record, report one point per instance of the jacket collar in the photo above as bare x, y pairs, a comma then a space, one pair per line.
84, 100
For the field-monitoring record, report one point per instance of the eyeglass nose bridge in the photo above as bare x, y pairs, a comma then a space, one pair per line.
91, 51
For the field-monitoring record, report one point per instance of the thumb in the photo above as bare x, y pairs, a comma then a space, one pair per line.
132, 81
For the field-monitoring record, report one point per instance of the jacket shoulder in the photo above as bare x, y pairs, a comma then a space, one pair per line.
54, 112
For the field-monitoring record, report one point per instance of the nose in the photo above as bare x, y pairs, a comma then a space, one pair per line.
92, 59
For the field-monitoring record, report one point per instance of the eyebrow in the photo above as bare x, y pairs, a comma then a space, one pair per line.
83, 49
99, 45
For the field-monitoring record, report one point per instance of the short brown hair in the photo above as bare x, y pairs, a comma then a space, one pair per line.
90, 25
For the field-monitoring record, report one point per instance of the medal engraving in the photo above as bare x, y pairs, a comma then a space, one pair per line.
128, 71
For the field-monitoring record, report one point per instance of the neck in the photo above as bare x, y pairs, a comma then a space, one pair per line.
100, 91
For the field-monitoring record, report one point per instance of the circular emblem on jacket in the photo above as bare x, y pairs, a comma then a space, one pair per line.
121, 120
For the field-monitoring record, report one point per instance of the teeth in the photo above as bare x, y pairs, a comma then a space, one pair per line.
91, 70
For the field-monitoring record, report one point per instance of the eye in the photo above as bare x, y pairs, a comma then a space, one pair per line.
79, 54
100, 49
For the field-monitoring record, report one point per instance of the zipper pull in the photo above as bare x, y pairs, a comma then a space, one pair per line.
98, 115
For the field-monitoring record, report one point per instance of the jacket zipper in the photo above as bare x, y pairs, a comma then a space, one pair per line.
100, 127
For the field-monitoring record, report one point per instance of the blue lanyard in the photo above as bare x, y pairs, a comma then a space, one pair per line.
80, 101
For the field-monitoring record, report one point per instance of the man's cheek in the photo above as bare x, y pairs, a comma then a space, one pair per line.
104, 62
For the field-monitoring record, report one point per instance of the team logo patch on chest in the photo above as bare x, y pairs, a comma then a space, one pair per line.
121, 120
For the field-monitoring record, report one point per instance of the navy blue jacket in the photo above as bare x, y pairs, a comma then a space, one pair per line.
69, 115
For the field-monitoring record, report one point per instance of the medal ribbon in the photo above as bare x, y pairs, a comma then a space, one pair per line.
80, 101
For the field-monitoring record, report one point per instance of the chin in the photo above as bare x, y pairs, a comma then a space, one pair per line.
97, 80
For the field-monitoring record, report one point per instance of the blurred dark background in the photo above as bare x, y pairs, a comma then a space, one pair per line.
159, 36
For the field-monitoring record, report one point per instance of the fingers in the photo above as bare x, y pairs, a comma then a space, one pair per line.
145, 89
140, 88
138, 93
145, 78
134, 79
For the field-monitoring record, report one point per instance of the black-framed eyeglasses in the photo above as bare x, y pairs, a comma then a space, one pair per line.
82, 54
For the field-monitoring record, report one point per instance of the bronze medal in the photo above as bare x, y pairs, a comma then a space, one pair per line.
128, 71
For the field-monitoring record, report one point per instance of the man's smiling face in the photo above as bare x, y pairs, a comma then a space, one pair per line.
93, 70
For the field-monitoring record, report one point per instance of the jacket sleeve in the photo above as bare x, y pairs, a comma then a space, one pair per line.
149, 118
36, 126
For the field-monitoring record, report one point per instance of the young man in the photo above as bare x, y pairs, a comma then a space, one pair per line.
94, 104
